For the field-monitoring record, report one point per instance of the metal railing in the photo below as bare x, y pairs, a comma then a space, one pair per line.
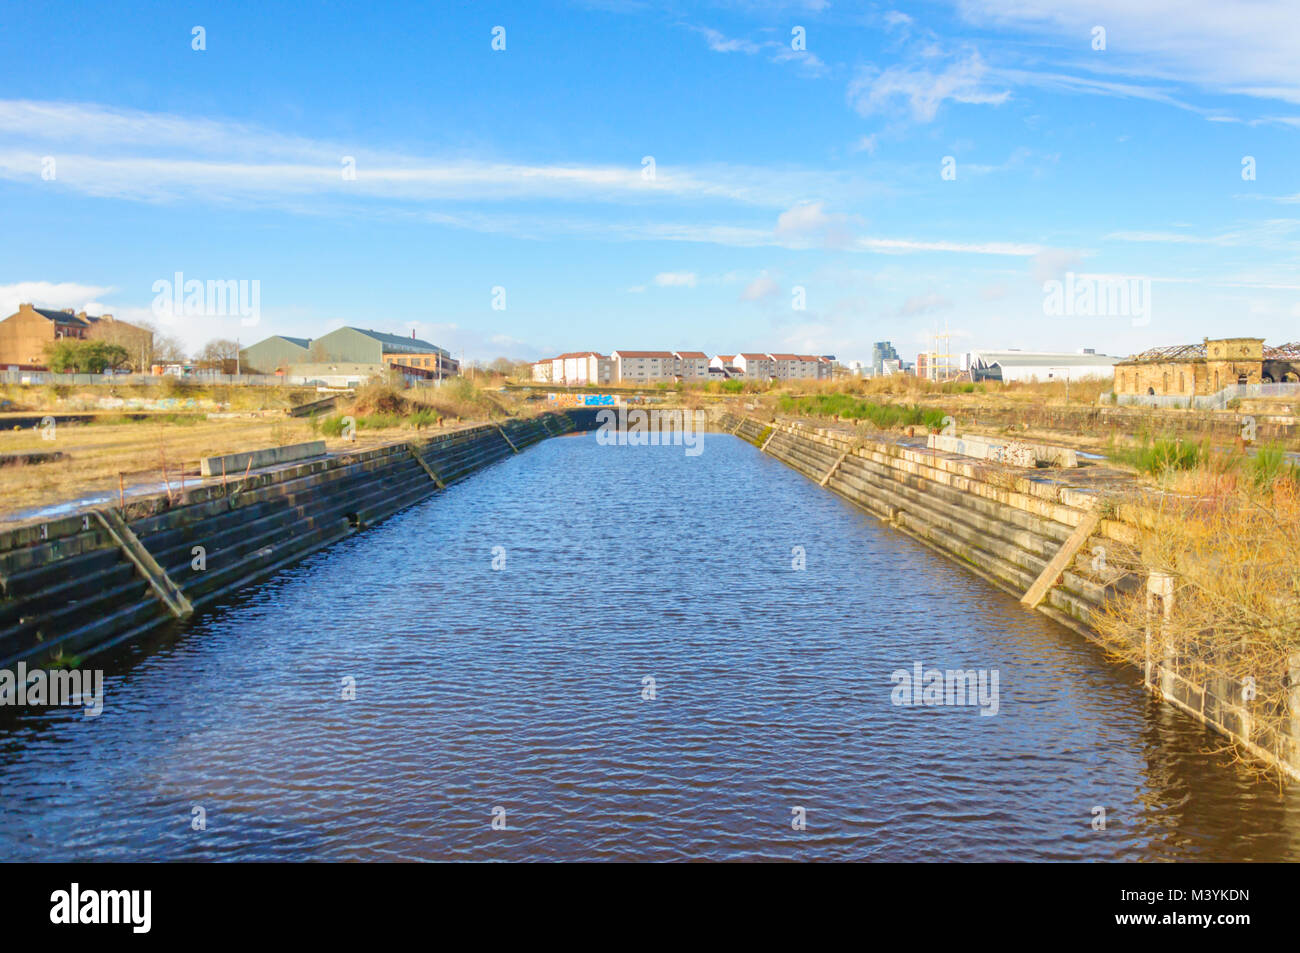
133, 380
1215, 401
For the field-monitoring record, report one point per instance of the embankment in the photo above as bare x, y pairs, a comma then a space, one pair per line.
1042, 535
76, 585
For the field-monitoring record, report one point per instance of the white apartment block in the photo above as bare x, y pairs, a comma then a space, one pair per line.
579, 368
586, 367
576, 368
639, 367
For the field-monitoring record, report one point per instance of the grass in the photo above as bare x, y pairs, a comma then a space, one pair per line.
1270, 464
847, 407
1161, 455
1233, 552
382, 405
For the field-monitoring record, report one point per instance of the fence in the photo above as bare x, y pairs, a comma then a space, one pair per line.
133, 380
1217, 401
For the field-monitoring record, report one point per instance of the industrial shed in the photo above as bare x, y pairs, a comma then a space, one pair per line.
271, 354
1041, 366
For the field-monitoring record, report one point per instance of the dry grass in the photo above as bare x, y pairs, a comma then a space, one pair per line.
140, 451
1233, 550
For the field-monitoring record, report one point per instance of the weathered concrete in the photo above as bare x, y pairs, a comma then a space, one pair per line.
237, 463
1028, 532
72, 586
1003, 451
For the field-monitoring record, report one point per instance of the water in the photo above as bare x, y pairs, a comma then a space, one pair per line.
520, 688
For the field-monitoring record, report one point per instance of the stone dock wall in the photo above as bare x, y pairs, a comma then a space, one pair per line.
1007, 525
82, 583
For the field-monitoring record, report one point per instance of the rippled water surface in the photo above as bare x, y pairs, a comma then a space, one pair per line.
520, 688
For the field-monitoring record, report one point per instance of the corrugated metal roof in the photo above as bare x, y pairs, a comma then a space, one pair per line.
401, 344
1042, 359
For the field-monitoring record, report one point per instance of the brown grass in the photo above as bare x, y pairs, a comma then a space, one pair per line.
140, 450
1233, 550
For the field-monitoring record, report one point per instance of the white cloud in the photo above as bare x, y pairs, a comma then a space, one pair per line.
675, 279
865, 144
901, 245
922, 90
1053, 262
53, 295
141, 156
1243, 48
760, 288
810, 221
924, 304
779, 52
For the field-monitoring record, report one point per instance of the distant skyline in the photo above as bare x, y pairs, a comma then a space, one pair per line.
661, 176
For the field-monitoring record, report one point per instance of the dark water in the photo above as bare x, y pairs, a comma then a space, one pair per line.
520, 688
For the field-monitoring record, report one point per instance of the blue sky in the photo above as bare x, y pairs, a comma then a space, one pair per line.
775, 169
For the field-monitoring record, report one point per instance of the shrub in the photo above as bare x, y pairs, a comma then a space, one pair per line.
884, 416
1162, 455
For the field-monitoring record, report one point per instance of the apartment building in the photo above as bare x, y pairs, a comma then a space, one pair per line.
756, 367
691, 365
790, 367
645, 367
640, 367
580, 368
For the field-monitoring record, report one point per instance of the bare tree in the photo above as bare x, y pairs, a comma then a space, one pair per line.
217, 353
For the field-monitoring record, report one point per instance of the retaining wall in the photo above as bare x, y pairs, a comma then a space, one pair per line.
67, 588
1007, 525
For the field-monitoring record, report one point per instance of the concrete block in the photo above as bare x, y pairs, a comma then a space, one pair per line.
237, 463
1016, 453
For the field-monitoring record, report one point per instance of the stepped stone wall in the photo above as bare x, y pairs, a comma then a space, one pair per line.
68, 588
1006, 524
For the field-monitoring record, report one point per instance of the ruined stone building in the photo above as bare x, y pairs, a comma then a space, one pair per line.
1198, 370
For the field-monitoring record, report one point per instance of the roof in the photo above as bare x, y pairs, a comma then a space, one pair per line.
402, 344
753, 357
789, 357
301, 342
1173, 352
1042, 359
724, 358
643, 353
561, 357
1055, 360
692, 354
66, 317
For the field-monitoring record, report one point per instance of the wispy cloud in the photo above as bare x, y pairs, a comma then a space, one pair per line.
675, 279
922, 90
1246, 49
776, 51
136, 155
760, 288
